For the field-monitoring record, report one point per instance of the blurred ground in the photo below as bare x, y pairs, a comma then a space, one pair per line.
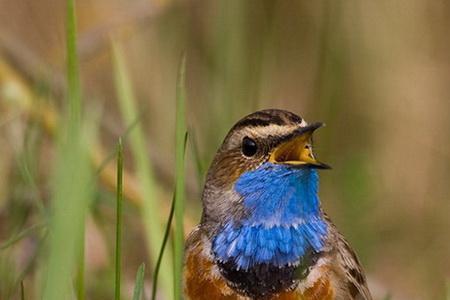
377, 73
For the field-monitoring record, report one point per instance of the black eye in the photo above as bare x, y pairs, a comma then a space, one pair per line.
249, 147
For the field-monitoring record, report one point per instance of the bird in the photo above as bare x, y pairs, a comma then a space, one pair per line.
263, 233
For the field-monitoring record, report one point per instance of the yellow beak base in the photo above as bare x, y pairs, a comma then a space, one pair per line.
297, 151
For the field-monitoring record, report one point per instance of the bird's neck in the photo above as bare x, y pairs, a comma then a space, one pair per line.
278, 195
283, 221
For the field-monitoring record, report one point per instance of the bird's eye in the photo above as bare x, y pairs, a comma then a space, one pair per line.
249, 147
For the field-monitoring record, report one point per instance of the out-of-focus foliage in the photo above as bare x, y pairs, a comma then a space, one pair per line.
376, 72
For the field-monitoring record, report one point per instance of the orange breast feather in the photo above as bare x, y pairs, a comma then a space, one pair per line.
199, 281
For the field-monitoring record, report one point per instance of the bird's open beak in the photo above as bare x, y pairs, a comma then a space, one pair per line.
296, 149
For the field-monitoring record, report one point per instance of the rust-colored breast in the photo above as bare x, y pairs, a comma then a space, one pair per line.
200, 283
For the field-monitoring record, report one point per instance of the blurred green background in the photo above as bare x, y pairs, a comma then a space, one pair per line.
376, 72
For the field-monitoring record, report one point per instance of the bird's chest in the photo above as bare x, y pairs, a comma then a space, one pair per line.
207, 279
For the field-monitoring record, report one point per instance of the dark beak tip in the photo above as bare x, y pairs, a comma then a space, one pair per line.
320, 124
327, 167
323, 166
314, 126
309, 128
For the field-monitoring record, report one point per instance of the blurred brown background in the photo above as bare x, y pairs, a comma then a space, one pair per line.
377, 72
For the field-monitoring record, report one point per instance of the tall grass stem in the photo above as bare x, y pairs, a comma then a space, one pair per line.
150, 216
161, 252
72, 187
180, 146
119, 200
139, 284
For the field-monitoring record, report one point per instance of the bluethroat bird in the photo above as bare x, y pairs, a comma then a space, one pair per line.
263, 234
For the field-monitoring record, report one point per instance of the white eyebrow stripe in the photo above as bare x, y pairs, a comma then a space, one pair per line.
262, 132
271, 130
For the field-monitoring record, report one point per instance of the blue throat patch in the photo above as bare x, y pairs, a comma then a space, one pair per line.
283, 220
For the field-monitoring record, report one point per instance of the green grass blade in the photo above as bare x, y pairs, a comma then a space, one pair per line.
72, 187
161, 252
139, 285
74, 114
119, 195
166, 237
73, 73
71, 194
150, 215
180, 180
112, 154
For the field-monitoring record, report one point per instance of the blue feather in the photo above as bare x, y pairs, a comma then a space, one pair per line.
283, 219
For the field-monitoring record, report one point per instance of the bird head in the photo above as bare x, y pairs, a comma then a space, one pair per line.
262, 144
